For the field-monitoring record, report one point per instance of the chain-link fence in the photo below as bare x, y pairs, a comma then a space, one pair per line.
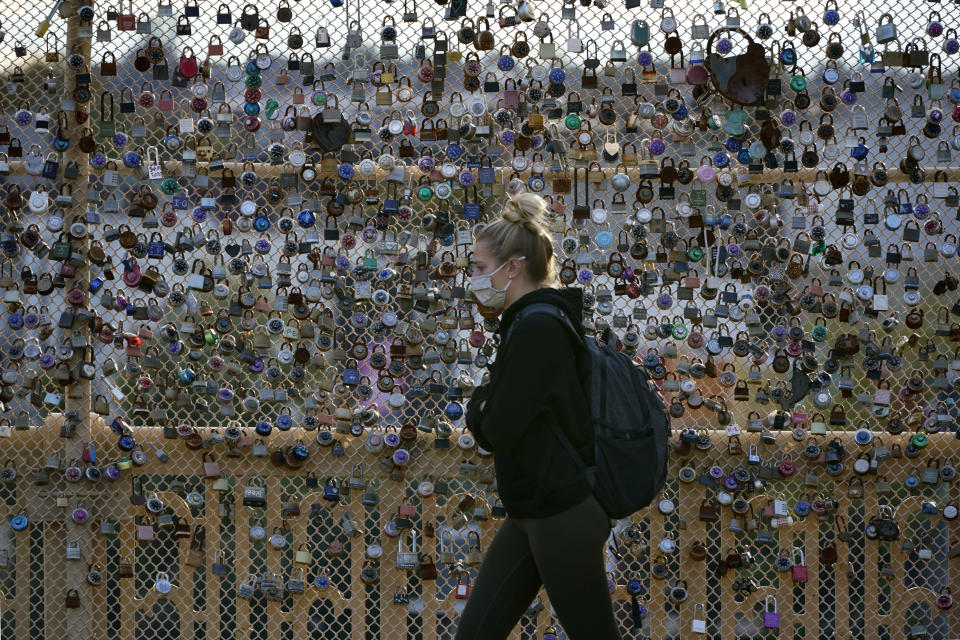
212, 271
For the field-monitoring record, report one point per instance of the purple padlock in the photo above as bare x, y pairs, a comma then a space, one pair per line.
80, 515
47, 360
401, 456
392, 440
111, 472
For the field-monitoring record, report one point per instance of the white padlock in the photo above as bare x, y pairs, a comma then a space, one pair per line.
163, 585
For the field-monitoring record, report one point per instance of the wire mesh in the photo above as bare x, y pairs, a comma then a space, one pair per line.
205, 356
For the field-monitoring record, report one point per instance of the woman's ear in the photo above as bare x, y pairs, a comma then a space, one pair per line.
514, 266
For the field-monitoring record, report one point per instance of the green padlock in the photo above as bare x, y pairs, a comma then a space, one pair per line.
271, 108
819, 332
695, 253
61, 249
919, 440
679, 331
798, 82
170, 186
572, 121
424, 193
210, 336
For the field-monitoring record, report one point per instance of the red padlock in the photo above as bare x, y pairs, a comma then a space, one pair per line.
462, 589
251, 123
787, 467
425, 72
477, 338
106, 334
799, 570
188, 64
198, 104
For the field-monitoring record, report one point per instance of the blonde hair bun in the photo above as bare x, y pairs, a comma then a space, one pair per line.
527, 210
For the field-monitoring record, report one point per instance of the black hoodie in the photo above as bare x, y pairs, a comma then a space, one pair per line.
535, 390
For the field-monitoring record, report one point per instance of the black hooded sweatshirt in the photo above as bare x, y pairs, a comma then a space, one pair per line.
534, 391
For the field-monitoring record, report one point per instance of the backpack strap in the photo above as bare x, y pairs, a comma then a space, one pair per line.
547, 309
552, 310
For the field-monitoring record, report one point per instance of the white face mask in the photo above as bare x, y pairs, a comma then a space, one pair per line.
484, 291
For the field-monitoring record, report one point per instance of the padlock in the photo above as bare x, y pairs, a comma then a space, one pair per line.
72, 600
73, 550
798, 570
771, 618
461, 590
255, 493
407, 559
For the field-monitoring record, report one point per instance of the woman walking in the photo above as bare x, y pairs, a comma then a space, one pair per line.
555, 530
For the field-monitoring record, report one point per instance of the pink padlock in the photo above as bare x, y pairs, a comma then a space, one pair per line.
132, 275
706, 172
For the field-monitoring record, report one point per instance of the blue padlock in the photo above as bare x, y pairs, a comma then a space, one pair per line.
261, 223
263, 428
15, 321
132, 159
284, 422
19, 522
453, 410
307, 218
351, 375
331, 492
300, 451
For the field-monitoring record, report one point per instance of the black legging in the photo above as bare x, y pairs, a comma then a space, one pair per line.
563, 552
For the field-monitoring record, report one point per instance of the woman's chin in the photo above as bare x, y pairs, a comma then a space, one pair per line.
488, 312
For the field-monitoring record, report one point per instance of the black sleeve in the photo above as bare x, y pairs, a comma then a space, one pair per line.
534, 365
474, 415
